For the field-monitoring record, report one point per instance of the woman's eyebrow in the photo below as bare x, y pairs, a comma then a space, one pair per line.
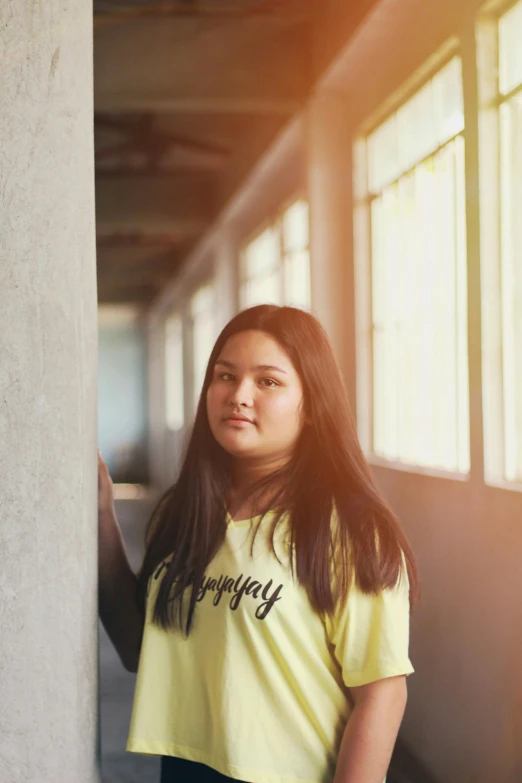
261, 367
269, 368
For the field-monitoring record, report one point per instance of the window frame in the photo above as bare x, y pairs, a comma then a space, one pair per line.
207, 281
174, 315
363, 257
272, 220
490, 101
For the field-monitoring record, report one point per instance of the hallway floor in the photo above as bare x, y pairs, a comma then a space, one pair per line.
116, 692
116, 684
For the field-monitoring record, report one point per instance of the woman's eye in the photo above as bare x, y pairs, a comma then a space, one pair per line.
269, 382
226, 376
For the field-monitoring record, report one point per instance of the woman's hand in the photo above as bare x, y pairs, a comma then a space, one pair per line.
105, 491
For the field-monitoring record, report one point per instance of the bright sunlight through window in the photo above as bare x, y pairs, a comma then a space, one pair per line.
174, 373
275, 266
510, 100
202, 307
419, 300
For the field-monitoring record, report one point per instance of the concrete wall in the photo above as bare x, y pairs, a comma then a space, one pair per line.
48, 469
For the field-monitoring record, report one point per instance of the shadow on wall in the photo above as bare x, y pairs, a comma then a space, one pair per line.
405, 768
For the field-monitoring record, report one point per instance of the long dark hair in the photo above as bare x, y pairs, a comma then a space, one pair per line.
327, 472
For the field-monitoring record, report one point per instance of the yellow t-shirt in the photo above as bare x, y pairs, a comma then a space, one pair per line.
258, 690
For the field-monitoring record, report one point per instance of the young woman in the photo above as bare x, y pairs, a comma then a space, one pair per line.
270, 617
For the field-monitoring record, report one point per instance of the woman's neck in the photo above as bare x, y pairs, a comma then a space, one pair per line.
242, 498
246, 473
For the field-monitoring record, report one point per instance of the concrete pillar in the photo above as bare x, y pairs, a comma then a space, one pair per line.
330, 197
48, 352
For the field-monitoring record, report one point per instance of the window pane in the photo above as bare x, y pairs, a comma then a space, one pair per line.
174, 373
510, 49
203, 335
416, 128
276, 265
265, 289
419, 315
297, 279
295, 227
262, 255
202, 301
511, 275
449, 101
383, 157
430, 118
385, 257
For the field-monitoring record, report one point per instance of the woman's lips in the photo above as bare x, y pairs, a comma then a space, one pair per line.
238, 421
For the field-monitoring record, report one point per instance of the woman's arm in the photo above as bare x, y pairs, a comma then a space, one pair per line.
371, 731
117, 585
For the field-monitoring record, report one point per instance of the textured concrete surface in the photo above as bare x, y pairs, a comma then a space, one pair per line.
48, 593
116, 684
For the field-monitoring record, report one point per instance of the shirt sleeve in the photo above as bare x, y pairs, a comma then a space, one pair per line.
370, 634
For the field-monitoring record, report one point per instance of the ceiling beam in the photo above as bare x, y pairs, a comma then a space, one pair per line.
143, 148
125, 294
171, 104
134, 277
137, 246
173, 169
178, 207
240, 72
118, 231
274, 9
142, 132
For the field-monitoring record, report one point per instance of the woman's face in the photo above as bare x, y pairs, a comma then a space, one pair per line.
255, 398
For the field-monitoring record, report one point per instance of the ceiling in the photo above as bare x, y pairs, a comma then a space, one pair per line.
188, 95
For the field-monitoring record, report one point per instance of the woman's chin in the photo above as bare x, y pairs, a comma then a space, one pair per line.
237, 446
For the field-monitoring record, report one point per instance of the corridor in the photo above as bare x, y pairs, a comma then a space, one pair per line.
166, 165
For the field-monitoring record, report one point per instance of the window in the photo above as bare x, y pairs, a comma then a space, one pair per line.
510, 88
202, 307
275, 266
415, 199
501, 159
174, 373
296, 254
261, 270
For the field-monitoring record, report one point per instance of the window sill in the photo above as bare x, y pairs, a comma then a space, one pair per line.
512, 486
420, 470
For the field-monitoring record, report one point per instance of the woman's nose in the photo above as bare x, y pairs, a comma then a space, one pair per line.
241, 393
